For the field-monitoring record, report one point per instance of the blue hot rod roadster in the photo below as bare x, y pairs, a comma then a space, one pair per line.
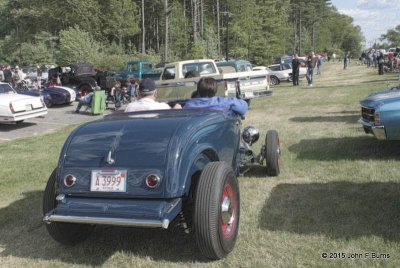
156, 169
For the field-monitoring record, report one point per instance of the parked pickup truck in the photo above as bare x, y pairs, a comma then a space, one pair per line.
138, 70
174, 86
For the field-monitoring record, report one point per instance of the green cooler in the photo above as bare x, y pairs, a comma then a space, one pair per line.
98, 102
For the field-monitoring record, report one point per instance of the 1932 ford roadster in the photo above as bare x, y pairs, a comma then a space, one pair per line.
154, 169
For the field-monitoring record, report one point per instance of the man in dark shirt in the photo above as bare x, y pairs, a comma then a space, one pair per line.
8, 75
311, 63
295, 69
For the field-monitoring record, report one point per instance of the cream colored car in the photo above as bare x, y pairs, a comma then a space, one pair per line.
15, 108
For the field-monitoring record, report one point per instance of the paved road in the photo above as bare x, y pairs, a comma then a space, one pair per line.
56, 118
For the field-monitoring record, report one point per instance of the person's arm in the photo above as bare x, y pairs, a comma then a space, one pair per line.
239, 106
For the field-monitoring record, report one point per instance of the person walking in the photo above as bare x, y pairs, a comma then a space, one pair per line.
319, 64
346, 60
381, 61
1, 73
311, 63
39, 76
8, 74
295, 69
116, 92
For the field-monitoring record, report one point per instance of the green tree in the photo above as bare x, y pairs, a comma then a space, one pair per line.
120, 20
392, 36
76, 46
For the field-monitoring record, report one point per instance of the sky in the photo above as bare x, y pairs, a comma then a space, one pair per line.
374, 17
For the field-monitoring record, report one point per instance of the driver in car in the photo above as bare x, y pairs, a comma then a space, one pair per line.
205, 97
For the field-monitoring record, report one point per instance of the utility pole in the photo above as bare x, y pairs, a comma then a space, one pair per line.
227, 15
143, 31
166, 32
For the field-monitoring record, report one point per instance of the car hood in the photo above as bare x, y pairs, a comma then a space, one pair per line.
382, 97
62, 90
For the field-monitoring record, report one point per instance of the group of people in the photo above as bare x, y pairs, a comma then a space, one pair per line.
385, 62
10, 75
17, 78
146, 98
313, 61
119, 93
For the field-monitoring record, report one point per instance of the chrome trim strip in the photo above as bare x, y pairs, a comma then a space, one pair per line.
365, 123
379, 132
109, 221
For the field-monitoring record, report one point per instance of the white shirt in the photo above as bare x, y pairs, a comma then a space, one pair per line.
145, 104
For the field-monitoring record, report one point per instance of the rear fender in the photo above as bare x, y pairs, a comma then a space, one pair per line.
197, 166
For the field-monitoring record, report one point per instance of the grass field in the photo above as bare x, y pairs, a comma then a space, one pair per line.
338, 192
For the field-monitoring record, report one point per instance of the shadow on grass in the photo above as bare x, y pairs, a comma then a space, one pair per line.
336, 209
349, 119
11, 127
346, 112
24, 235
350, 148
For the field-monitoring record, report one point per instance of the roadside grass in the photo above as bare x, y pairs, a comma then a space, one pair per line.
338, 191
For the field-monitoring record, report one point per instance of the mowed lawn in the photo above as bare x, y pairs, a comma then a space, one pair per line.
338, 192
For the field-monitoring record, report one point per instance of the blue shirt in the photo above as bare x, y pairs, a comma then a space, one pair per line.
219, 103
88, 98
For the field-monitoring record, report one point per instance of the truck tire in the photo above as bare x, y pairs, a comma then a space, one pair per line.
64, 233
272, 153
216, 210
274, 80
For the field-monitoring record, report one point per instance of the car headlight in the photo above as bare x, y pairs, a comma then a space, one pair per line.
377, 119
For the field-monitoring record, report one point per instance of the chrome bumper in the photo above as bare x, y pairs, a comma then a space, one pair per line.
378, 131
128, 213
108, 221
255, 94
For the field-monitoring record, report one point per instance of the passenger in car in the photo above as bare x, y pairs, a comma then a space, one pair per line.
205, 98
147, 94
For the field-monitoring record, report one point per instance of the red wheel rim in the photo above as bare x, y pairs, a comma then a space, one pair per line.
84, 91
228, 211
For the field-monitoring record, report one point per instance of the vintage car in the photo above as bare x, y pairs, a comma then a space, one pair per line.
15, 108
380, 114
81, 76
53, 95
156, 169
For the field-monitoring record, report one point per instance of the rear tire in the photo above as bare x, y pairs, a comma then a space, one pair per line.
64, 233
272, 153
216, 210
274, 80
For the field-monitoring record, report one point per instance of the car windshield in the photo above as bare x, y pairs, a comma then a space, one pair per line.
6, 88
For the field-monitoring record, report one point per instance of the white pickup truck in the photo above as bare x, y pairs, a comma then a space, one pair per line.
174, 86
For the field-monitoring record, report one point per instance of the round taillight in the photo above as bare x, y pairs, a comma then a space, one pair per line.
69, 180
152, 181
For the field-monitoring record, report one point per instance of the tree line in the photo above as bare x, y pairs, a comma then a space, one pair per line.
107, 33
